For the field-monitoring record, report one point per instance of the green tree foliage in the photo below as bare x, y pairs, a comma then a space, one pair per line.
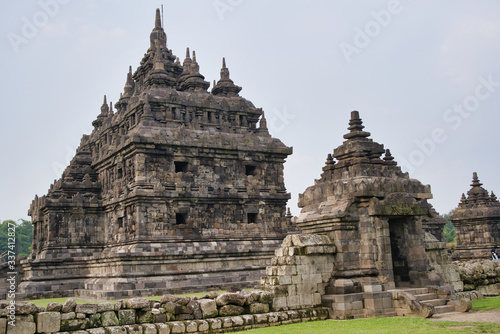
24, 236
449, 232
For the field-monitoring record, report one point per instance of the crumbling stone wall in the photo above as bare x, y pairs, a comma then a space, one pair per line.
226, 312
300, 271
441, 264
480, 275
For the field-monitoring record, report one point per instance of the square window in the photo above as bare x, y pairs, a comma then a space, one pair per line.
252, 218
180, 166
251, 170
180, 218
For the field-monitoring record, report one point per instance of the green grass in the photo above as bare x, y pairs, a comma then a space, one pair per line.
380, 325
486, 304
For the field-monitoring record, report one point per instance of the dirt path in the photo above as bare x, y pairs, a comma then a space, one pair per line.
471, 316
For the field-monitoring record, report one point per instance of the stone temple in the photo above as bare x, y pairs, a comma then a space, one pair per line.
477, 223
363, 250
177, 188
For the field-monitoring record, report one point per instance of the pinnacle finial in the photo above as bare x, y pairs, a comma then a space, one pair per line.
105, 102
356, 127
158, 18
187, 53
194, 56
224, 62
388, 155
475, 180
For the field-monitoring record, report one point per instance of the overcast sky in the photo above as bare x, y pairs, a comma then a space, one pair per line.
424, 75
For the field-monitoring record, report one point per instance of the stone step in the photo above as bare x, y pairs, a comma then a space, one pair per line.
434, 302
426, 296
444, 309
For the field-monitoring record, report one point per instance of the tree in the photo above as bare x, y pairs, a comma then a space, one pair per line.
23, 237
449, 232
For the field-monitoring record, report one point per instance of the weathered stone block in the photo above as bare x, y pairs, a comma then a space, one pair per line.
134, 329
68, 316
227, 322
26, 308
149, 329
215, 324
163, 328
86, 308
116, 330
258, 308
144, 317
54, 307
74, 325
191, 326
126, 316
23, 325
260, 318
208, 308
105, 307
138, 303
230, 310
177, 327
96, 331
230, 298
109, 319
173, 308
48, 322
69, 306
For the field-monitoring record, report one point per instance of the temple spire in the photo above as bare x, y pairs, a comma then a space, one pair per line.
158, 34
475, 181
158, 19
104, 107
225, 86
356, 127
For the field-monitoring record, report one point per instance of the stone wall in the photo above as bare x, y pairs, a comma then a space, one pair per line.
300, 271
440, 261
215, 313
480, 275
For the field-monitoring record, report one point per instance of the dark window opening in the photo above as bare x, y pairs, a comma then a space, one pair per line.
180, 166
252, 218
180, 218
250, 170
120, 222
120, 173
132, 119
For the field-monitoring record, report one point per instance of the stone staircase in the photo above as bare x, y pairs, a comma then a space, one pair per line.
425, 302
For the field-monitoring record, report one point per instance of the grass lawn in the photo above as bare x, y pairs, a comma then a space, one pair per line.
380, 325
486, 304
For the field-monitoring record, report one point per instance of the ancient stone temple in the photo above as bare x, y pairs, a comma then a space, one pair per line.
477, 223
362, 250
177, 188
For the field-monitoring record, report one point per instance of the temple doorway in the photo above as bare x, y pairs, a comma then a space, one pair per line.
399, 250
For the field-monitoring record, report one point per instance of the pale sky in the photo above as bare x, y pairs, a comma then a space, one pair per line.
424, 75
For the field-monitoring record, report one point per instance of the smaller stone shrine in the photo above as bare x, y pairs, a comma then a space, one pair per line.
363, 247
477, 223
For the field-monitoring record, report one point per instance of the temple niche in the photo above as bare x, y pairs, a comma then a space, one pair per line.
477, 223
177, 188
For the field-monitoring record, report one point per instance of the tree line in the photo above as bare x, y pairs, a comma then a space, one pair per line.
21, 243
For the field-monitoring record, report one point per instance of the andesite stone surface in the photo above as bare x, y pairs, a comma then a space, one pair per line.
177, 188
477, 223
